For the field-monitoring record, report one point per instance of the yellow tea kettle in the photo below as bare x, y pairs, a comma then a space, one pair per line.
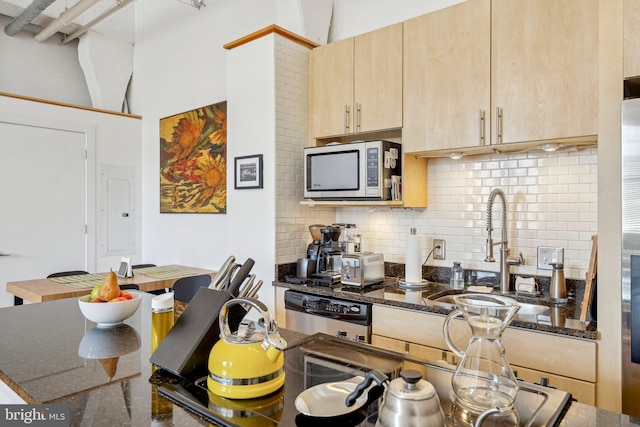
247, 363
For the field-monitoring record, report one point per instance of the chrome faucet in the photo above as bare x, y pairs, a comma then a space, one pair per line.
505, 260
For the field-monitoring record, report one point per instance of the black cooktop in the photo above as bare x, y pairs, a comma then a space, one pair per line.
314, 360
321, 358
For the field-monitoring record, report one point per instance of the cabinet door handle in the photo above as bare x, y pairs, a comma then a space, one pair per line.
357, 126
498, 125
346, 118
481, 126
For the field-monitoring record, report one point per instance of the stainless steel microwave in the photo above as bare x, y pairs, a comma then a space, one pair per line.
370, 170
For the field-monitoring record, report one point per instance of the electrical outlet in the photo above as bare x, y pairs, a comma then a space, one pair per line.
439, 252
547, 255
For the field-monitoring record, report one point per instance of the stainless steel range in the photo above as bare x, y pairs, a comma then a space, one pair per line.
536, 405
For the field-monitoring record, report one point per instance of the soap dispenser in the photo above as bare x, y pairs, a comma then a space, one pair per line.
558, 287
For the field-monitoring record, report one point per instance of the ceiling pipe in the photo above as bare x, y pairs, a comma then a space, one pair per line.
30, 13
65, 18
119, 5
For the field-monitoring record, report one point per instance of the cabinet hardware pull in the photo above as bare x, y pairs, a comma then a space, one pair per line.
346, 118
357, 117
481, 126
498, 125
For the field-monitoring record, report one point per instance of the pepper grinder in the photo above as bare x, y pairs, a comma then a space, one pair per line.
558, 288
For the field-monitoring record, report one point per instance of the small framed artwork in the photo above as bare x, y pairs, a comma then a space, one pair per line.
248, 172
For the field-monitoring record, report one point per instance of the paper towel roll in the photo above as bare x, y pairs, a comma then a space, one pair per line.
413, 258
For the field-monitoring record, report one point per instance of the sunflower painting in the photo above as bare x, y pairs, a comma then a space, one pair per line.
193, 161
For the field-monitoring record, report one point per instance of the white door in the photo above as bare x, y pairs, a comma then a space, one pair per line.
42, 203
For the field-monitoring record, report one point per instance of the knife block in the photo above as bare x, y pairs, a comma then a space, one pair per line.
185, 349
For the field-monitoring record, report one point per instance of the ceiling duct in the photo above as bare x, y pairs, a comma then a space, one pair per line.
119, 5
29, 14
65, 18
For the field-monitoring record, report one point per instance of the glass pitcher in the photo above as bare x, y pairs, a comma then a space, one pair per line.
483, 379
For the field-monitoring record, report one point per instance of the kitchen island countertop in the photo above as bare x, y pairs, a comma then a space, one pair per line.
41, 363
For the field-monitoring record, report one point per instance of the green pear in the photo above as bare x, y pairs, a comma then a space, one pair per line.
95, 293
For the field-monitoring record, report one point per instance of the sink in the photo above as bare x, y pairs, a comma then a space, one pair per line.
526, 309
444, 301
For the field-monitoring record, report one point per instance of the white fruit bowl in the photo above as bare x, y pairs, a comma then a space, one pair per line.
107, 314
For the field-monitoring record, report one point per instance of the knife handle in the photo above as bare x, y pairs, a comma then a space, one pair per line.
239, 277
222, 272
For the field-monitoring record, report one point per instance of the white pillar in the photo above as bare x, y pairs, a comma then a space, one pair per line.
107, 65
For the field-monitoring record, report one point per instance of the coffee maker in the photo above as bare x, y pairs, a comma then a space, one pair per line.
313, 250
329, 263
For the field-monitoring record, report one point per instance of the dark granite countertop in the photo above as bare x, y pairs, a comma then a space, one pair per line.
41, 363
561, 319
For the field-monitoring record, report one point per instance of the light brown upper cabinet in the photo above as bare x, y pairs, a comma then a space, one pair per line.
446, 77
631, 38
355, 84
537, 59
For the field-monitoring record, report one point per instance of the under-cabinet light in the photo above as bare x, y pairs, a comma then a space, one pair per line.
549, 147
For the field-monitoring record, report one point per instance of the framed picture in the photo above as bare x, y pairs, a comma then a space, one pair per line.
193, 161
248, 172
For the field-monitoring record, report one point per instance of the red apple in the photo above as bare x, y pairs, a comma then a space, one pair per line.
125, 294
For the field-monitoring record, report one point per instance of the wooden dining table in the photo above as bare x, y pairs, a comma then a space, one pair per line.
147, 279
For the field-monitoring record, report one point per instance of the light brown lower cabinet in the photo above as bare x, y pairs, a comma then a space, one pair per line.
567, 363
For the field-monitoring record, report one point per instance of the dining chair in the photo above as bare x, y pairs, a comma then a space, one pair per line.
186, 287
20, 301
67, 273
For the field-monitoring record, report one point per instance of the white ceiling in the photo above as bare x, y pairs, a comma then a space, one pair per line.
119, 25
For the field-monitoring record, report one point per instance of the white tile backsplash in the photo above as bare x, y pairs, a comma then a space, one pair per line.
551, 201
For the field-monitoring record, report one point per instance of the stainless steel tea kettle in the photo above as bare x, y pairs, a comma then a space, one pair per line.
408, 401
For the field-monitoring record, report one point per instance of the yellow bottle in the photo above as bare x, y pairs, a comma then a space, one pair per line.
161, 318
